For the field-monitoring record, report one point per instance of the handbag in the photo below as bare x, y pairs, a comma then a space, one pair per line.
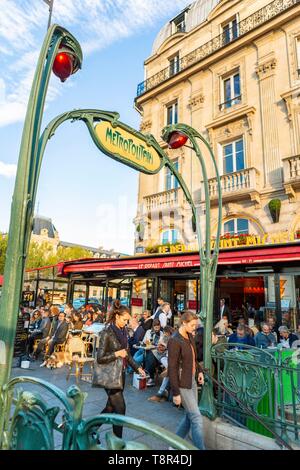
109, 375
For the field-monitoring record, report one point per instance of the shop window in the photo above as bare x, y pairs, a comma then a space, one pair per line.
231, 91
233, 156
170, 236
172, 113
236, 226
170, 181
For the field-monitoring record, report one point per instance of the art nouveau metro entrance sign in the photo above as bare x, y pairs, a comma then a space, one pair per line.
128, 146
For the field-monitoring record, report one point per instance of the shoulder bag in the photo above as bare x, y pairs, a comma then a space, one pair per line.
109, 375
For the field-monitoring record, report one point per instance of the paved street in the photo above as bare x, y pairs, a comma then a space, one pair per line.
162, 414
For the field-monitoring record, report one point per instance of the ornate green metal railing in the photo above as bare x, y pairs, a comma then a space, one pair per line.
253, 21
30, 424
259, 389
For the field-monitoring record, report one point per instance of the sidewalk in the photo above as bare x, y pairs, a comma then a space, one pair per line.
162, 414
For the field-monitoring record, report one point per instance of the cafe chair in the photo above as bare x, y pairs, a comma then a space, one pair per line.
77, 351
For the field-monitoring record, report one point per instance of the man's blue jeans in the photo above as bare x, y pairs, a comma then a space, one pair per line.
139, 357
192, 418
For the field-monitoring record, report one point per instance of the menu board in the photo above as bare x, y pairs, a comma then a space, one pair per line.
20, 339
28, 298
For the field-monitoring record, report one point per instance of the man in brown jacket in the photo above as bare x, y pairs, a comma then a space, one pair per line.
183, 369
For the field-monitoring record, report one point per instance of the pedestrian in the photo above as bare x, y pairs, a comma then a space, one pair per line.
113, 344
224, 310
184, 373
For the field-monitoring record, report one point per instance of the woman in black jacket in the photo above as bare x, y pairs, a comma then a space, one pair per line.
113, 344
184, 372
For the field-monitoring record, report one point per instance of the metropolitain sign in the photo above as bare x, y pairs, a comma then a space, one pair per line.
128, 146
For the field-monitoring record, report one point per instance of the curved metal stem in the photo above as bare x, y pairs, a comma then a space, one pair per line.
208, 257
23, 198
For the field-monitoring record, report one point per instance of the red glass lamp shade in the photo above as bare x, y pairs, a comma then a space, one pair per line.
63, 65
177, 140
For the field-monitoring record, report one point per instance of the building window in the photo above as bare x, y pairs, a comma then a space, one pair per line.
236, 226
231, 91
170, 236
170, 181
172, 113
233, 156
174, 65
230, 31
298, 54
178, 24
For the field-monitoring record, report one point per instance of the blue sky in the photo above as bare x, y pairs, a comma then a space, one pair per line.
90, 197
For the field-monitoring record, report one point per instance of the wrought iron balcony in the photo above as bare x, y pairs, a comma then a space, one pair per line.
229, 103
250, 23
163, 200
236, 185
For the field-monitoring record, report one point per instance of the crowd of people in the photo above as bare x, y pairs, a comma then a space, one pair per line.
261, 334
164, 355
51, 327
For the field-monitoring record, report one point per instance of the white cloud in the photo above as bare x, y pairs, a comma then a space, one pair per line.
95, 23
8, 170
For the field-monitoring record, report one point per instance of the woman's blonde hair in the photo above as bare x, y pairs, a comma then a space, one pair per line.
188, 316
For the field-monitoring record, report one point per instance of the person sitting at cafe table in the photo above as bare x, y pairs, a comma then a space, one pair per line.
35, 320
88, 319
146, 320
161, 355
244, 323
241, 337
77, 323
151, 337
41, 332
164, 314
154, 338
137, 335
223, 327
286, 337
273, 329
265, 338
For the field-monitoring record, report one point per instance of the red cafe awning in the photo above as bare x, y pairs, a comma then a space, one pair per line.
251, 256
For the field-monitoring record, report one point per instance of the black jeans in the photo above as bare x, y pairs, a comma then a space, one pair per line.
34, 335
115, 404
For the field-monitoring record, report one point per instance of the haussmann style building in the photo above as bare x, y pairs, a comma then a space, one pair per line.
230, 69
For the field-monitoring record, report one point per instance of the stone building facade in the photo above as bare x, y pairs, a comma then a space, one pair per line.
231, 69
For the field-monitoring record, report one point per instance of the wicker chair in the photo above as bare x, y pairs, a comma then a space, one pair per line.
77, 350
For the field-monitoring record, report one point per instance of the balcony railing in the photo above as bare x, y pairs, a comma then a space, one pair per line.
233, 184
291, 169
161, 200
229, 103
253, 21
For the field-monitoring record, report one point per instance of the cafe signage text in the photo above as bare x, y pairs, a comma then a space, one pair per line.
257, 240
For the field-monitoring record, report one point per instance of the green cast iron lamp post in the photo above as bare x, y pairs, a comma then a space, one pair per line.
177, 136
62, 53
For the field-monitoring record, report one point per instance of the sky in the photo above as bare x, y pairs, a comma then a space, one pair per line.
90, 198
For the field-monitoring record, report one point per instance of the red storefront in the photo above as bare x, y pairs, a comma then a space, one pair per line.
268, 277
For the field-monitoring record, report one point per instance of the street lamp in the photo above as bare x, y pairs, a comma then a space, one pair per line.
177, 136
61, 53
